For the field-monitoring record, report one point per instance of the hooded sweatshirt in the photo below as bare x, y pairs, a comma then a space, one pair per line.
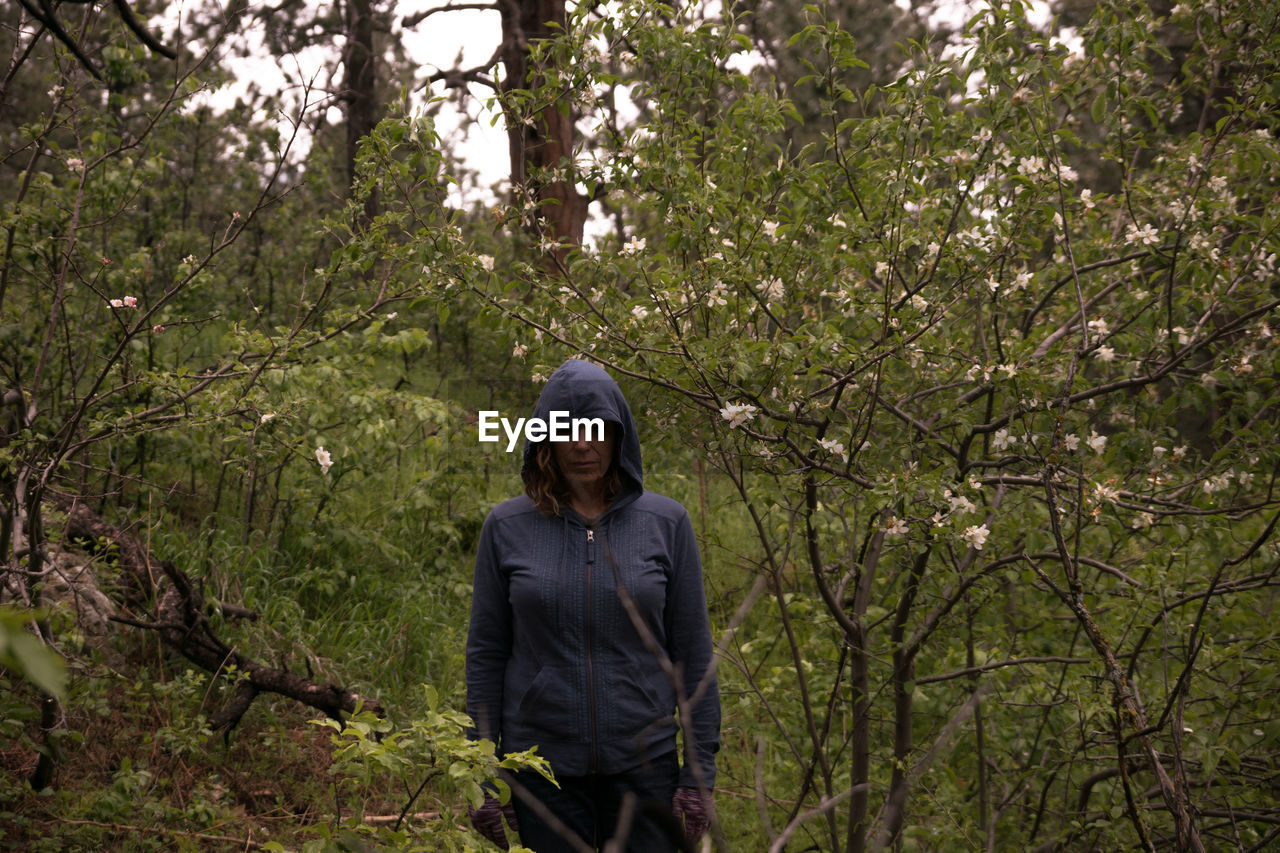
585, 633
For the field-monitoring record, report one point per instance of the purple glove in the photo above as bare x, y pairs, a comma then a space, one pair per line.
487, 820
693, 811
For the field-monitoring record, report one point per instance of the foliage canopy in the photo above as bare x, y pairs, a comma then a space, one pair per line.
967, 363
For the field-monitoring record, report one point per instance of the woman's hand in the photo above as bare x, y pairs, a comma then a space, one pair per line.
694, 811
487, 820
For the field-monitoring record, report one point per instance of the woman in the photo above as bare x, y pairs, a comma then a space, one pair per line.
588, 628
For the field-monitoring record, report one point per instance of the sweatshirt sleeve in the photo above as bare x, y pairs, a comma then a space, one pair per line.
691, 649
488, 639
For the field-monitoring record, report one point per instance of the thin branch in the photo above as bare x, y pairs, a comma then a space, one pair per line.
988, 667
411, 21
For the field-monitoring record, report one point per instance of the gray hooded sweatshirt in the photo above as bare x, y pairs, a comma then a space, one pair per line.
554, 658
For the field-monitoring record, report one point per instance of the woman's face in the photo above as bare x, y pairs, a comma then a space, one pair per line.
584, 463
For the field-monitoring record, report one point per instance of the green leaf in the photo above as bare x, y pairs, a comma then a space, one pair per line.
1098, 109
31, 658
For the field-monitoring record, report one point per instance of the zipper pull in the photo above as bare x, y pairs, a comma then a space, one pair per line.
591, 535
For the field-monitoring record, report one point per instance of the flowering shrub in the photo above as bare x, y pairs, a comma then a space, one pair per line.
941, 354
984, 357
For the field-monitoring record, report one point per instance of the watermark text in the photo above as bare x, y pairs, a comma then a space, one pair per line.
560, 427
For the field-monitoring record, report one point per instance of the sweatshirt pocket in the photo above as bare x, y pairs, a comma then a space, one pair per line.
645, 700
545, 705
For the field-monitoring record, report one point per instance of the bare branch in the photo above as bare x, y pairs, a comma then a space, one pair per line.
411, 21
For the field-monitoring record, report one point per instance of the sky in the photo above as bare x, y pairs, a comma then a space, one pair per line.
436, 43
464, 38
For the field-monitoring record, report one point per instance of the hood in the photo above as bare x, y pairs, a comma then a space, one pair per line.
586, 390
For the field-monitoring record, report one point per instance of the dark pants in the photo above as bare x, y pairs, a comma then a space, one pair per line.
631, 808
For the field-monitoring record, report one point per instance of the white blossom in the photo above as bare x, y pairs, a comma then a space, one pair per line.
976, 535
519, 350
959, 503
632, 246
835, 448
715, 296
1031, 166
774, 290
770, 228
1216, 483
75, 164
1072, 442
1105, 493
1147, 235
895, 526
325, 460
486, 261
1105, 354
1097, 443
738, 413
639, 312
266, 416
1002, 439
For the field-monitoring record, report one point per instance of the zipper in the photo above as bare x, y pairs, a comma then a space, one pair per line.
591, 685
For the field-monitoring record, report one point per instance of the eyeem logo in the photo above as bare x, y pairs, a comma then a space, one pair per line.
560, 428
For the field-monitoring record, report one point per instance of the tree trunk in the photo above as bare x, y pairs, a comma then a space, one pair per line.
181, 620
358, 88
541, 151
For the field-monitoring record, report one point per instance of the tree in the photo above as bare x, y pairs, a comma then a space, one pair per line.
359, 84
116, 359
45, 15
947, 382
542, 139
971, 377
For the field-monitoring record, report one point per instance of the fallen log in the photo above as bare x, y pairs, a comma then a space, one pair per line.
179, 616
